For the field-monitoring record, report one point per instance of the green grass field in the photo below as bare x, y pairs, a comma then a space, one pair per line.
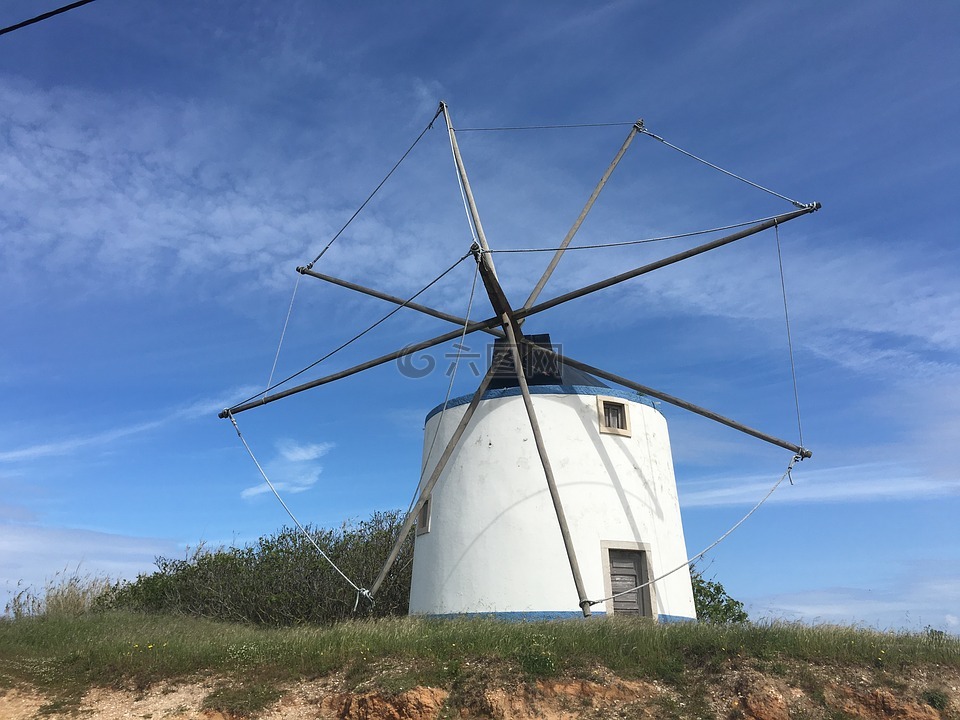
63, 655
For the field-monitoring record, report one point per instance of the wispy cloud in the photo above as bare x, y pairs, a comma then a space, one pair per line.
293, 469
295, 452
30, 554
910, 603
855, 483
159, 189
67, 445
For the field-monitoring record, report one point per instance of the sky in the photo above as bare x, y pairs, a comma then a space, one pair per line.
165, 167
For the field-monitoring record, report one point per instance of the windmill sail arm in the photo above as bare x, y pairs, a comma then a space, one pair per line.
535, 293
521, 313
424, 309
672, 400
434, 477
397, 354
672, 259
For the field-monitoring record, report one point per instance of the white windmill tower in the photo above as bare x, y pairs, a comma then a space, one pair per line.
547, 484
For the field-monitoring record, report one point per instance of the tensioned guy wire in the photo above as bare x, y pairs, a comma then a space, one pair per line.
637, 242
44, 16
375, 191
358, 335
360, 590
545, 127
786, 316
795, 203
712, 545
283, 333
643, 130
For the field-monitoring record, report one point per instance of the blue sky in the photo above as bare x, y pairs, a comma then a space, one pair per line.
165, 167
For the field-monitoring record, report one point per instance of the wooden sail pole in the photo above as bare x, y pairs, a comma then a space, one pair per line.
434, 476
672, 400
502, 307
521, 313
665, 397
555, 260
395, 355
636, 272
464, 180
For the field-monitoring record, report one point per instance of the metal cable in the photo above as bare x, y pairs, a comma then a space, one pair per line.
360, 591
44, 16
710, 547
375, 191
544, 127
786, 316
638, 242
795, 203
283, 333
357, 336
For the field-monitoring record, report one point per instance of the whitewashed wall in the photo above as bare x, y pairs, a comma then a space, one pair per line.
494, 545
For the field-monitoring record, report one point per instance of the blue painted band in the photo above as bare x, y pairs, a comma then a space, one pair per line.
547, 390
667, 619
546, 615
519, 616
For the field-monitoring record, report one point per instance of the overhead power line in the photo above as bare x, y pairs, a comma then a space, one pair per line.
45, 15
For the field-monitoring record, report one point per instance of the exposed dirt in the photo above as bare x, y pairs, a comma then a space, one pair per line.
782, 692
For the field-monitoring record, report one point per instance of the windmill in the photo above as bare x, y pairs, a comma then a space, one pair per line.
549, 487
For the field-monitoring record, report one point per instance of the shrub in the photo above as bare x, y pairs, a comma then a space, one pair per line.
713, 603
280, 579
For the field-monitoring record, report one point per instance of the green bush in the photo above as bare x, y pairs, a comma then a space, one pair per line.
712, 602
281, 579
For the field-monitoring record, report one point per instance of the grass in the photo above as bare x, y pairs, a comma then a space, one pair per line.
62, 642
66, 654
66, 593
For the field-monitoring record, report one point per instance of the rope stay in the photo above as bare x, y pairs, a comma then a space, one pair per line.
546, 127
624, 243
645, 131
375, 191
795, 203
478, 247
786, 316
360, 591
786, 475
283, 334
355, 337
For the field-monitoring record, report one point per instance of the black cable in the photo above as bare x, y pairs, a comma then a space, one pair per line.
625, 243
375, 191
46, 15
544, 127
358, 335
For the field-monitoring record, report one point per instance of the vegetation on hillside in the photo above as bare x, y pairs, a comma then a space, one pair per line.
280, 580
272, 613
712, 602
63, 656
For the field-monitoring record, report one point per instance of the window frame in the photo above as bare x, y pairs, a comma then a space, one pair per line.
625, 431
423, 517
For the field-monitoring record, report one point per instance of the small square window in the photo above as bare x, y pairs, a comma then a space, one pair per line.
423, 518
614, 416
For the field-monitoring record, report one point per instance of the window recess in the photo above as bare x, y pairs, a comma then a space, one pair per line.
614, 416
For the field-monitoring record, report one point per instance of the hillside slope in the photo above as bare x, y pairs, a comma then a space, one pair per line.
775, 690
